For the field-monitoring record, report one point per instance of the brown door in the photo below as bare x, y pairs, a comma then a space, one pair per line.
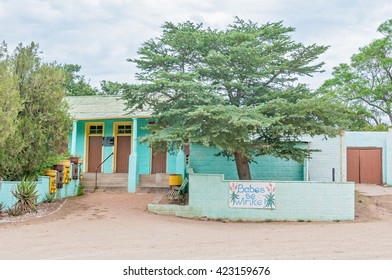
364, 165
158, 162
370, 166
353, 165
123, 152
94, 153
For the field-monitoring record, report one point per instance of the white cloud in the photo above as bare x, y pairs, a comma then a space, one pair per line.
101, 34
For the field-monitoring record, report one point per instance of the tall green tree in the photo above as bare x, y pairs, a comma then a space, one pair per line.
235, 89
365, 85
42, 121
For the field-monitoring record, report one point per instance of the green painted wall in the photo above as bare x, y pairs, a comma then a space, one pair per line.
203, 160
209, 197
42, 188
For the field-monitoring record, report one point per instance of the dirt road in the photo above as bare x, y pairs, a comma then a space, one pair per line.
114, 225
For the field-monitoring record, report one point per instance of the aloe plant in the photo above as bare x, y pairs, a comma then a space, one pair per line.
26, 195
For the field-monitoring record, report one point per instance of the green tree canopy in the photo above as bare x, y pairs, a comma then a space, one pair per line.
76, 83
235, 89
10, 101
112, 88
365, 85
39, 112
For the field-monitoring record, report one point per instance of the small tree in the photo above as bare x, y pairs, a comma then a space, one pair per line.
42, 121
235, 89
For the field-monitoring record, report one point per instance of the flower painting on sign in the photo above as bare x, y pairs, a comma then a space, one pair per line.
252, 195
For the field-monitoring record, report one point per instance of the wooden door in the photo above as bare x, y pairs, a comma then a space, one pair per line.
94, 153
158, 162
364, 165
370, 169
123, 152
353, 165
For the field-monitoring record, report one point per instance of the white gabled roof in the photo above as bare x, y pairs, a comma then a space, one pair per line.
100, 107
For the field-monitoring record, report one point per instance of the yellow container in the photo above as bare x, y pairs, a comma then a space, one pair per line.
81, 169
175, 180
52, 181
67, 175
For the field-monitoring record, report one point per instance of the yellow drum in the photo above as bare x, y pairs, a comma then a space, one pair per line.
52, 181
175, 180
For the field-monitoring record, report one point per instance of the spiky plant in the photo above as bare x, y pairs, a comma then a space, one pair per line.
26, 195
2, 207
50, 197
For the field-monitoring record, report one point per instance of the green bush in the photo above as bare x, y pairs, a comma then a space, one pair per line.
1, 208
50, 198
26, 195
80, 190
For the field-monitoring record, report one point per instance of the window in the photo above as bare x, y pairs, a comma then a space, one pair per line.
96, 129
124, 129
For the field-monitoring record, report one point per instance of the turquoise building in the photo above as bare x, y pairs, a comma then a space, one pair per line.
104, 130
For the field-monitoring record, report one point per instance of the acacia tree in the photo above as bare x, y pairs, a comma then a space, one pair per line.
42, 121
236, 89
365, 84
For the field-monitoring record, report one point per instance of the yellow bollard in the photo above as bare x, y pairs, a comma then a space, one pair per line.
52, 181
67, 165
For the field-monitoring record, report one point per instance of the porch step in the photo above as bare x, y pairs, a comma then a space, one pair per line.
105, 181
153, 183
152, 189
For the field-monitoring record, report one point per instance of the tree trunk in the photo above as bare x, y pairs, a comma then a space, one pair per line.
242, 164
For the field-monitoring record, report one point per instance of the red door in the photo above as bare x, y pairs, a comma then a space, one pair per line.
94, 153
364, 165
158, 162
123, 152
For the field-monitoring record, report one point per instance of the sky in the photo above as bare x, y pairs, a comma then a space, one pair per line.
100, 35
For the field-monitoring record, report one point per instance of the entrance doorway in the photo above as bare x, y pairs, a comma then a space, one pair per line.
364, 165
123, 133
94, 157
158, 161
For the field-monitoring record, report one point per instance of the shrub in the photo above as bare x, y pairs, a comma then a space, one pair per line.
80, 190
26, 195
1, 208
50, 198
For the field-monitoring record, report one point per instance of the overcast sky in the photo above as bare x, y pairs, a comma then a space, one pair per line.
100, 35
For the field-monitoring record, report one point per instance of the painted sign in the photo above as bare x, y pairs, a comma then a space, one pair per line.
108, 141
252, 195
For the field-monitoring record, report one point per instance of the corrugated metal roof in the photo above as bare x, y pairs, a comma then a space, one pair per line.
100, 107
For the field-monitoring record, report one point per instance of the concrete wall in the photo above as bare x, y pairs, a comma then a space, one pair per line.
209, 197
203, 160
42, 188
331, 155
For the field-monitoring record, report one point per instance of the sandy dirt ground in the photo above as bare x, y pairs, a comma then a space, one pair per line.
116, 225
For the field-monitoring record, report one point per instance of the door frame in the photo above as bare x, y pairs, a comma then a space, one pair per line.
87, 137
115, 134
368, 148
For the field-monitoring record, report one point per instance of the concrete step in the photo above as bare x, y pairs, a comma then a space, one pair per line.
159, 178
153, 189
105, 180
107, 189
